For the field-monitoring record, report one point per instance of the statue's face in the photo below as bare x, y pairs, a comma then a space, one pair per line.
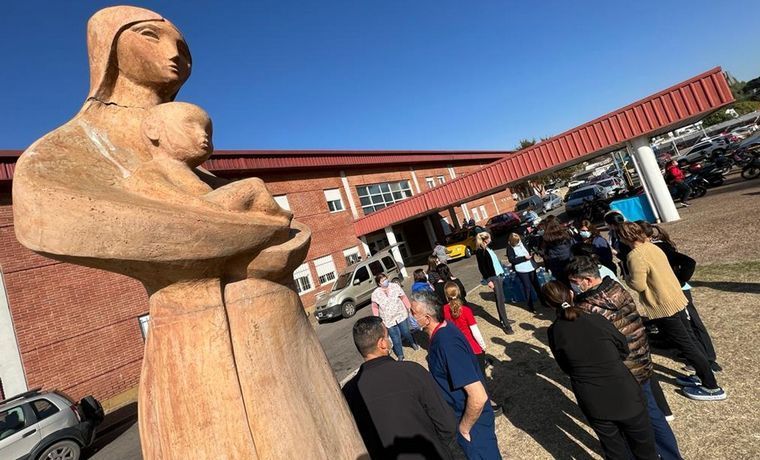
187, 136
153, 54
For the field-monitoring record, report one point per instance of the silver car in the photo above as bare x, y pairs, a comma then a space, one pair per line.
38, 425
551, 201
354, 286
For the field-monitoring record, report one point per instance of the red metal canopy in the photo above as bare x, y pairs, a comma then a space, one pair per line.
681, 104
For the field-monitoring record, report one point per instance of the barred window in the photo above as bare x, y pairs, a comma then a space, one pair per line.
302, 277
325, 269
377, 196
351, 255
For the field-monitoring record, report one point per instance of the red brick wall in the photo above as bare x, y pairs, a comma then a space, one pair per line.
76, 327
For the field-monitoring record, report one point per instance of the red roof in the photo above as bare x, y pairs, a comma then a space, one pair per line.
681, 104
268, 160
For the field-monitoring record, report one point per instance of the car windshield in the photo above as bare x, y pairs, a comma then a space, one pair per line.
523, 205
546, 198
342, 281
607, 183
582, 193
750, 140
456, 237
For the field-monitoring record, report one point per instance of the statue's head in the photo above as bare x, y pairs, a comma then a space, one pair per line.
180, 131
126, 42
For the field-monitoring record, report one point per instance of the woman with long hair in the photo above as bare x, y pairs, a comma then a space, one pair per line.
456, 311
445, 276
683, 266
432, 275
522, 263
556, 244
493, 273
591, 351
664, 303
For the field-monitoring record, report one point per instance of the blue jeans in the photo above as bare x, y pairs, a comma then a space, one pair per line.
397, 332
664, 439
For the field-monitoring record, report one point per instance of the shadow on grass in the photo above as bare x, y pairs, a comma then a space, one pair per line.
728, 286
529, 387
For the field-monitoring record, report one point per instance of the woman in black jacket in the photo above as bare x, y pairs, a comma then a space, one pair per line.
591, 351
555, 247
444, 276
492, 272
683, 266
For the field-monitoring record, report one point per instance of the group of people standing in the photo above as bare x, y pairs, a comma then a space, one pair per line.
599, 338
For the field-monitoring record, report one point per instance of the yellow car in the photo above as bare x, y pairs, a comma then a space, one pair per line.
461, 243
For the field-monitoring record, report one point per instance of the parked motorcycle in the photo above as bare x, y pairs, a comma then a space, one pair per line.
710, 172
752, 169
698, 186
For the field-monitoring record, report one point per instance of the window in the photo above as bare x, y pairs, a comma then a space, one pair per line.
12, 421
475, 214
282, 200
334, 200
361, 274
483, 213
389, 263
376, 268
144, 322
44, 408
302, 277
351, 255
430, 182
378, 196
325, 269
441, 179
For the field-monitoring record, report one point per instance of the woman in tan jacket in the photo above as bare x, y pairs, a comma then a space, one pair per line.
664, 303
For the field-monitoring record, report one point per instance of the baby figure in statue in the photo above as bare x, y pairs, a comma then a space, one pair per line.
177, 135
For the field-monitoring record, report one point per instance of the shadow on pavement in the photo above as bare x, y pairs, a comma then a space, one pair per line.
114, 425
528, 387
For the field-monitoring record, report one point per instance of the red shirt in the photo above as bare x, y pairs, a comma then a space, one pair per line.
675, 173
463, 323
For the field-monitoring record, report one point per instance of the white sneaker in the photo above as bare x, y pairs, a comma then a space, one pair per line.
670, 418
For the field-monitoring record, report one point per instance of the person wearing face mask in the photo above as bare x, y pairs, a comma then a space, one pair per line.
664, 303
590, 350
607, 297
493, 273
588, 233
455, 369
396, 403
390, 303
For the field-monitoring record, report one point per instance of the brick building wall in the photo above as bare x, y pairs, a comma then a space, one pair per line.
76, 327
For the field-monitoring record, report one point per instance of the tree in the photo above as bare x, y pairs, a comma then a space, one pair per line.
526, 143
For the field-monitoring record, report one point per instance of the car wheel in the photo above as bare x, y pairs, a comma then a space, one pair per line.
467, 253
61, 450
348, 309
718, 153
697, 191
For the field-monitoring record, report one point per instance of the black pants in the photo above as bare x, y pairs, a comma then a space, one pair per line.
698, 328
659, 396
498, 290
529, 280
683, 191
674, 328
621, 438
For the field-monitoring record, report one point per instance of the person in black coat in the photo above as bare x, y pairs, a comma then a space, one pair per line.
683, 267
556, 245
444, 276
589, 349
397, 406
492, 272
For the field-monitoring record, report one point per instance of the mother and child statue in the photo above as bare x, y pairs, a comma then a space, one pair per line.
232, 368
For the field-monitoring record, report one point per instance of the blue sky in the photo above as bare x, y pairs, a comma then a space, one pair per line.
388, 74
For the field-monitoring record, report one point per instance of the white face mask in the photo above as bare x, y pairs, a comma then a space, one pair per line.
585, 234
385, 283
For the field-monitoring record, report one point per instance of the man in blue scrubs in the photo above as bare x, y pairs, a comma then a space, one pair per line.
457, 373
